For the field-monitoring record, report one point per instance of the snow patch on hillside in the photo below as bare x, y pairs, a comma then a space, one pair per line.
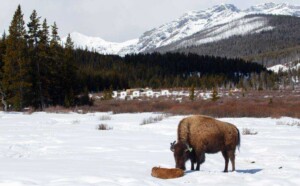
284, 67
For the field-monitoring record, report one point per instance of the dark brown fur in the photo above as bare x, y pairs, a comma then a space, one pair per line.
205, 135
165, 173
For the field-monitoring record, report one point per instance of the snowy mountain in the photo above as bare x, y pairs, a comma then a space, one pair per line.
100, 45
216, 23
275, 9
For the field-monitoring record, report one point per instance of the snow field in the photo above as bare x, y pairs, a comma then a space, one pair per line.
67, 149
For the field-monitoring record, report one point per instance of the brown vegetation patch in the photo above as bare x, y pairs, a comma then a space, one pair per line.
251, 104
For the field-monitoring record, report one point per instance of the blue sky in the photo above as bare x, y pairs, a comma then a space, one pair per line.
112, 20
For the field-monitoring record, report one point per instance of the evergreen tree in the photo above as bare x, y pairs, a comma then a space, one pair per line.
33, 42
44, 65
56, 90
69, 72
192, 93
214, 96
108, 93
2, 52
16, 82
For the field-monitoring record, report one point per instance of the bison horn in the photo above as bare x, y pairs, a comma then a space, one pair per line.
188, 148
172, 146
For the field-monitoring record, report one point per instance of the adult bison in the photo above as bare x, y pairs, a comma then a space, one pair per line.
198, 135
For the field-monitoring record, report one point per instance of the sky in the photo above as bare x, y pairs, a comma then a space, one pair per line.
112, 20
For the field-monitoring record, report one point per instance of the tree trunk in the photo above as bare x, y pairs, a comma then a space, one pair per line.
3, 100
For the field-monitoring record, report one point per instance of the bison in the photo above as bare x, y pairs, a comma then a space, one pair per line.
165, 173
197, 135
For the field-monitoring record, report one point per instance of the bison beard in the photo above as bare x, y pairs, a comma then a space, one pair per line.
198, 135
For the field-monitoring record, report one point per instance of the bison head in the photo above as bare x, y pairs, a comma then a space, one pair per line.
181, 152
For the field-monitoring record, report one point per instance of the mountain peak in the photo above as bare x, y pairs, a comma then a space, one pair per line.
273, 8
223, 7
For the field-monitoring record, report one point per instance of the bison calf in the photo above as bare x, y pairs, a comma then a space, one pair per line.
165, 173
197, 135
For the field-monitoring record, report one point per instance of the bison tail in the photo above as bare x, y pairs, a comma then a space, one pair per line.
239, 139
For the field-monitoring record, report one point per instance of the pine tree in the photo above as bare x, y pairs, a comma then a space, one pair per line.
33, 30
2, 52
33, 42
16, 82
215, 96
192, 93
44, 65
55, 67
69, 72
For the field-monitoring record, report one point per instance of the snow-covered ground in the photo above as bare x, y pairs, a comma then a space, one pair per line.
67, 149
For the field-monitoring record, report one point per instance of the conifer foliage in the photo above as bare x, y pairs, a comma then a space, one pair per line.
35, 70
16, 70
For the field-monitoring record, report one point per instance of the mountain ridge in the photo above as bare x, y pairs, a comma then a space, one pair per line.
189, 24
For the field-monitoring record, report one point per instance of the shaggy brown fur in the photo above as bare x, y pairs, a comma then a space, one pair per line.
165, 173
205, 135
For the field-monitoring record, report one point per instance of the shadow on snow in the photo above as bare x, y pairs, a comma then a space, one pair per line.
246, 171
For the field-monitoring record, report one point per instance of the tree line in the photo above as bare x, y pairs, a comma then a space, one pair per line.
37, 70
157, 70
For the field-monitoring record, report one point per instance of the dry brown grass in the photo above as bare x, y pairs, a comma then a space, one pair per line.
252, 104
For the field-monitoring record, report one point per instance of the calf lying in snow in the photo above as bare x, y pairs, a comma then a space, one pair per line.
165, 173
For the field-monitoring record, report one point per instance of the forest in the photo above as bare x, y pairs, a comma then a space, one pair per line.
38, 70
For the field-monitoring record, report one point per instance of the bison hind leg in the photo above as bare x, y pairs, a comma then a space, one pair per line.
226, 157
231, 155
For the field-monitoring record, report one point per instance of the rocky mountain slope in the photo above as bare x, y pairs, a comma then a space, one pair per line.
194, 28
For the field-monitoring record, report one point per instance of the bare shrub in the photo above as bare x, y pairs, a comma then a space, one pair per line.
154, 119
104, 127
247, 131
105, 117
292, 123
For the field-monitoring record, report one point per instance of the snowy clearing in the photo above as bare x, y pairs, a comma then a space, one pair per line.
67, 149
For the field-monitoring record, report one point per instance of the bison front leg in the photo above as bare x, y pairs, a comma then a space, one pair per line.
200, 160
193, 159
192, 165
226, 157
